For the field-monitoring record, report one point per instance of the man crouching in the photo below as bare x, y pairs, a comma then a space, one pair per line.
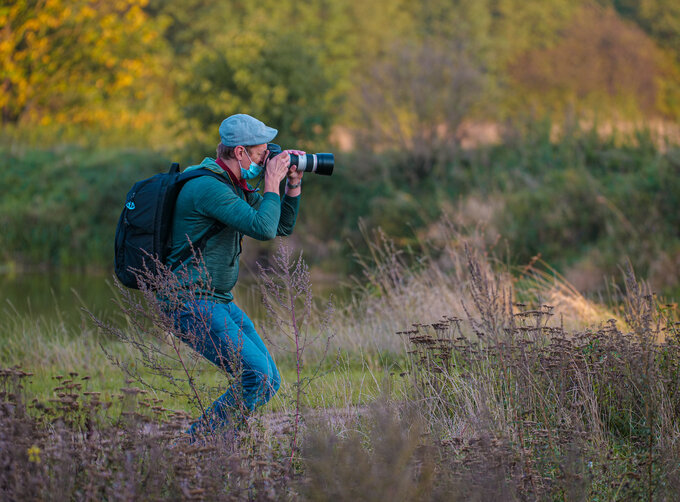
209, 321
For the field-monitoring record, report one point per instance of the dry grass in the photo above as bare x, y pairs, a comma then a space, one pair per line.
75, 447
434, 282
515, 387
579, 413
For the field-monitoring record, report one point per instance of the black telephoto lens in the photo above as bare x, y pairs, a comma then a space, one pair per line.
319, 163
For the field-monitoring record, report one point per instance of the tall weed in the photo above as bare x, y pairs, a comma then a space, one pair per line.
599, 405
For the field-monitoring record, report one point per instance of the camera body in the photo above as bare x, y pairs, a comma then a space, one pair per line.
319, 163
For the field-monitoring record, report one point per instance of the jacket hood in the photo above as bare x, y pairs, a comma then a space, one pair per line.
207, 163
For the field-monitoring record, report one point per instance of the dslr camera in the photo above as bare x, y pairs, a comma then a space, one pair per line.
319, 163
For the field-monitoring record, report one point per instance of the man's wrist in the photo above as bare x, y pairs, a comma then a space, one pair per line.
271, 186
291, 185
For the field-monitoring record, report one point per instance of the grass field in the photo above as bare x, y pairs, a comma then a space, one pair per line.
455, 380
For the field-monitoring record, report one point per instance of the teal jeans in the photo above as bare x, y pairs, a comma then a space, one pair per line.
223, 334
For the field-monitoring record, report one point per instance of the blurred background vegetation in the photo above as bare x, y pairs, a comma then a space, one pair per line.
552, 124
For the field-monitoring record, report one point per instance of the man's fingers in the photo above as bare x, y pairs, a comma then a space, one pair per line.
281, 166
284, 159
296, 152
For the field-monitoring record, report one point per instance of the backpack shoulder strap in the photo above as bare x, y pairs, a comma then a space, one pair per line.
184, 177
216, 227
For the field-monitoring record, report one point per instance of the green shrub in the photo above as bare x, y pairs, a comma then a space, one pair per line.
62, 205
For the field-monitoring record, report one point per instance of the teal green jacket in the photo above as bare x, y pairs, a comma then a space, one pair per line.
205, 199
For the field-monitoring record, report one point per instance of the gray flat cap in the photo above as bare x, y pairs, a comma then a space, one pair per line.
242, 129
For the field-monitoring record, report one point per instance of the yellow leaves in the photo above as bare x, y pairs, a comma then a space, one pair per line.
86, 12
135, 17
32, 25
41, 45
78, 61
149, 37
53, 4
134, 66
125, 80
34, 454
107, 22
5, 46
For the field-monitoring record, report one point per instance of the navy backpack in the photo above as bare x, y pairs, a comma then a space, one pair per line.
144, 226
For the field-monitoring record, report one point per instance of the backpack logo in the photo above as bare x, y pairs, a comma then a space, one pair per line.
130, 205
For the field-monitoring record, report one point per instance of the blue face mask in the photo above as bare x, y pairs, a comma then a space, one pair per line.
253, 170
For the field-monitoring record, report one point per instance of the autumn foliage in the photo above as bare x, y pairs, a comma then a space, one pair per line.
140, 71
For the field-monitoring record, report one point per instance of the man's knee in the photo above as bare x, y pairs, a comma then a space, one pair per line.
276, 380
268, 381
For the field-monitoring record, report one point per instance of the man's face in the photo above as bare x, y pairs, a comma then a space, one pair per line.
256, 153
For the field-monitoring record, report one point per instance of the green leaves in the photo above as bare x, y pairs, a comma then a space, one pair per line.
275, 77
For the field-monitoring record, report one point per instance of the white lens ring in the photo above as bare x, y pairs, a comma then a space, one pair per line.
302, 162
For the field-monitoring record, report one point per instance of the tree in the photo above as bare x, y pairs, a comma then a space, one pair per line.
289, 62
82, 63
659, 18
276, 77
600, 62
415, 99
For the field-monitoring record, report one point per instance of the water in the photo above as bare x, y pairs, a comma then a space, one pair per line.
61, 298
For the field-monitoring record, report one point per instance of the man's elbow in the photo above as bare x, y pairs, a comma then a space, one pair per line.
267, 234
284, 231
263, 230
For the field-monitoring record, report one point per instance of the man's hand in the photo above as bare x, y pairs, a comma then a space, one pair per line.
277, 168
294, 176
